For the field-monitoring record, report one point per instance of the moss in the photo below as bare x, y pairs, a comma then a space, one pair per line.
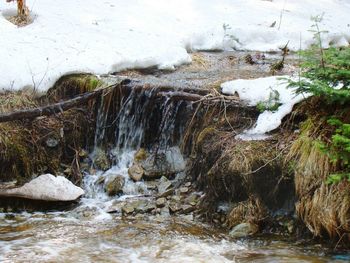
69, 86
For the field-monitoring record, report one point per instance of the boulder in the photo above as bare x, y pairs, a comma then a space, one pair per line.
163, 163
46, 187
135, 172
243, 230
114, 185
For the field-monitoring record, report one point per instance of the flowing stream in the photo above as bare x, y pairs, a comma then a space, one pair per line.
96, 231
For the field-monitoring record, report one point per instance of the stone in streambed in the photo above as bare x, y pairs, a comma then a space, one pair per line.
136, 172
183, 190
161, 202
164, 185
46, 187
187, 209
243, 230
101, 160
114, 185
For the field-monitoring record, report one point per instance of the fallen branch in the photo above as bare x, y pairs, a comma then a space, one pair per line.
51, 109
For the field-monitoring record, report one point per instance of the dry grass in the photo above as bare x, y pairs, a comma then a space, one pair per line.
252, 211
325, 209
10, 101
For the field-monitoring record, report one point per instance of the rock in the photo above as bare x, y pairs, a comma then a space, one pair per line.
243, 230
165, 211
164, 185
46, 187
52, 143
100, 159
187, 217
143, 206
187, 209
136, 172
114, 185
115, 207
167, 193
86, 212
161, 202
176, 198
151, 185
128, 209
100, 180
188, 184
174, 207
163, 163
192, 199
140, 155
183, 190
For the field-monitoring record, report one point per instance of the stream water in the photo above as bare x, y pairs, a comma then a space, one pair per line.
91, 233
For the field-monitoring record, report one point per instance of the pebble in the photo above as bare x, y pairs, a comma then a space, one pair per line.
161, 202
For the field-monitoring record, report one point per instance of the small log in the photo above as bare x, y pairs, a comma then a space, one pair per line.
50, 109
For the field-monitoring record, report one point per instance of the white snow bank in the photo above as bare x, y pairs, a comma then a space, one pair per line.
106, 36
259, 90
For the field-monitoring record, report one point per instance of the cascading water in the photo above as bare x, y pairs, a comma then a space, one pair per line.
142, 120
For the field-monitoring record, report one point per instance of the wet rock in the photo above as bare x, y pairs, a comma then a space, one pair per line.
192, 199
115, 207
176, 198
167, 193
187, 217
243, 230
151, 185
86, 212
140, 155
183, 190
144, 206
128, 209
165, 211
165, 163
136, 172
46, 187
188, 184
161, 202
187, 209
174, 207
164, 185
100, 180
100, 159
114, 185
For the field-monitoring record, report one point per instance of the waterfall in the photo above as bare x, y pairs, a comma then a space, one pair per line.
128, 121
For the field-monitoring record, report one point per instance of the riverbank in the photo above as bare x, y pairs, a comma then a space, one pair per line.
118, 146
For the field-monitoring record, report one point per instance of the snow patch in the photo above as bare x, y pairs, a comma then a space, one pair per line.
255, 91
106, 36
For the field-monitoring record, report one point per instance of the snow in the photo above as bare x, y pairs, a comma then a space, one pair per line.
112, 35
254, 91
